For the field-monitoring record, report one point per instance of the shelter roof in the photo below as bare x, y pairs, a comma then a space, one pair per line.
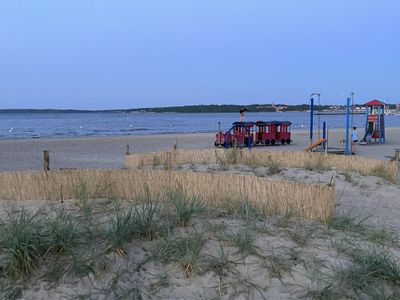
375, 102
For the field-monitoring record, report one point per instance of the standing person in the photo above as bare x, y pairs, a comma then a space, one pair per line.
242, 114
354, 140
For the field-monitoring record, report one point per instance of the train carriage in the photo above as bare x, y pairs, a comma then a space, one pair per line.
265, 133
283, 132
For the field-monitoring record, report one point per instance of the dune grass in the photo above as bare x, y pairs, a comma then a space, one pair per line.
370, 266
120, 229
296, 159
22, 243
377, 234
163, 227
182, 250
65, 247
185, 206
63, 232
274, 166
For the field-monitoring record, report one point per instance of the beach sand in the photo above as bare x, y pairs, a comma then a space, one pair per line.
285, 254
108, 152
283, 257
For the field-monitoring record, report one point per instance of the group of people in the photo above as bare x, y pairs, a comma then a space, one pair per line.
354, 134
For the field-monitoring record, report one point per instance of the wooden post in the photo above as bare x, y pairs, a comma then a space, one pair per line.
333, 177
397, 154
397, 164
175, 144
46, 160
127, 150
169, 161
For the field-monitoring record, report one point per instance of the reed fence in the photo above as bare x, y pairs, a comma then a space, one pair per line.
310, 201
296, 159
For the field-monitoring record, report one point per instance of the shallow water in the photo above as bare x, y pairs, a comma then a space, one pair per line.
50, 125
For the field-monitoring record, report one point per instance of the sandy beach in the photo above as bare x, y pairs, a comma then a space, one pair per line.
100, 249
108, 152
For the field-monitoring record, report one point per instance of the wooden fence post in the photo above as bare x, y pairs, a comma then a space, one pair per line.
397, 164
332, 182
46, 160
169, 161
127, 150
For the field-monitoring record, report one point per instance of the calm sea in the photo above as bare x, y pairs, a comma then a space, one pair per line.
51, 125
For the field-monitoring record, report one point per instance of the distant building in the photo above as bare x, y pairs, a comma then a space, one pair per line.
398, 107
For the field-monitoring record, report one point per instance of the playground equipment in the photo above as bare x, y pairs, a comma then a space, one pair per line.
315, 144
375, 125
321, 145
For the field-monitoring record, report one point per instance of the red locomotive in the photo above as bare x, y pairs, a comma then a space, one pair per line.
259, 133
240, 134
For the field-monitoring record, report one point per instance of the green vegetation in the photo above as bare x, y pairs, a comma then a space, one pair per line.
82, 198
274, 166
376, 234
381, 172
227, 108
322, 291
63, 232
370, 266
185, 207
184, 251
348, 176
120, 230
212, 108
22, 243
132, 249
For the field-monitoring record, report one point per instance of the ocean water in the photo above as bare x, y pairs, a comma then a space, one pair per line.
53, 125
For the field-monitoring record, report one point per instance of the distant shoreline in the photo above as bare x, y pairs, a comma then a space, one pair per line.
211, 108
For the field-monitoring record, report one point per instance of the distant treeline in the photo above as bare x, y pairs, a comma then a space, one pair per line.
228, 108
213, 108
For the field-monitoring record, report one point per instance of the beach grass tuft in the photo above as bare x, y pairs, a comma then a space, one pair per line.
244, 241
185, 206
183, 251
221, 264
370, 266
146, 215
62, 232
274, 166
120, 230
323, 291
22, 243
82, 197
382, 172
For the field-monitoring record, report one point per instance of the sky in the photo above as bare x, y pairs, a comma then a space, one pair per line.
101, 54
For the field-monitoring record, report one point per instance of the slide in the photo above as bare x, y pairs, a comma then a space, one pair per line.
315, 144
367, 137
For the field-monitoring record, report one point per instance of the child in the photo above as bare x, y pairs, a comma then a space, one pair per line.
242, 112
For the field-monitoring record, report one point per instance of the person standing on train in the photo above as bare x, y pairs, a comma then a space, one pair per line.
242, 114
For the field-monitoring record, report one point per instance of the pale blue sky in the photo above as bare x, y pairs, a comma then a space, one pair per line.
95, 54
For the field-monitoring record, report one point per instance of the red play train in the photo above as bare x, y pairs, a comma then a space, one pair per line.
258, 133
